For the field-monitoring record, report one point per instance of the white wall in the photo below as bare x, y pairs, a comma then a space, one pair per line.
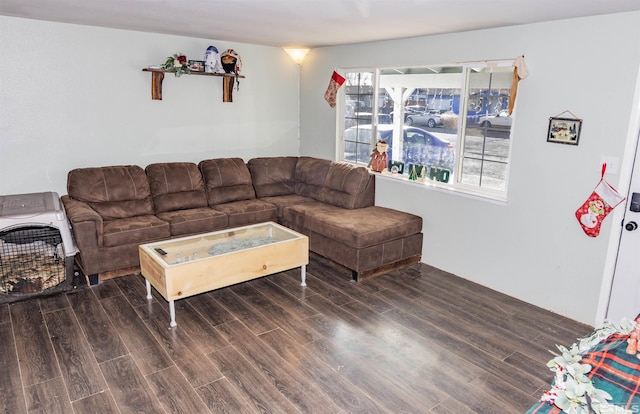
531, 247
75, 96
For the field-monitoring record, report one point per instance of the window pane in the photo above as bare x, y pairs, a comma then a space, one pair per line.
358, 116
487, 134
425, 105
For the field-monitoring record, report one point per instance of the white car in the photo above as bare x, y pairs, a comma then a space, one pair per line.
430, 119
502, 119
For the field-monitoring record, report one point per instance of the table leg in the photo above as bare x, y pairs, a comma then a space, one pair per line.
148, 289
303, 275
172, 312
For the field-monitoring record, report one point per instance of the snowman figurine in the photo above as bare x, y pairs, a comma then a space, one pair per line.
212, 61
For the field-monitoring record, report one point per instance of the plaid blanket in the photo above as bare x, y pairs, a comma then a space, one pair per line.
614, 371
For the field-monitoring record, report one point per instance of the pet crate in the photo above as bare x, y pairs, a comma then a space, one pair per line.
37, 250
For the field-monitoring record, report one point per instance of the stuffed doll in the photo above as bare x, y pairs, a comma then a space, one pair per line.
378, 160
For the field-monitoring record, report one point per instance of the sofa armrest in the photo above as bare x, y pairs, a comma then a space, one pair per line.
86, 223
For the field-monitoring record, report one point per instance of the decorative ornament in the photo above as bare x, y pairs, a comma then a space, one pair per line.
177, 64
574, 390
378, 160
212, 61
413, 176
231, 62
334, 84
598, 206
423, 174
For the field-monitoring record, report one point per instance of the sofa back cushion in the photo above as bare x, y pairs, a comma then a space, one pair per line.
176, 186
348, 186
226, 180
310, 176
114, 192
273, 176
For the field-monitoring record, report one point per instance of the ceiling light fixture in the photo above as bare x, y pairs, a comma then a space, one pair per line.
297, 54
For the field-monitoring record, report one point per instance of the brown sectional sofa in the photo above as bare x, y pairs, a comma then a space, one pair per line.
114, 209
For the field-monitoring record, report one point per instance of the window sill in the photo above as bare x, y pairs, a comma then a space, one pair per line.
431, 185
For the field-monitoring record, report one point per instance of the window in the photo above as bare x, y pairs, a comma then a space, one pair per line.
450, 122
359, 100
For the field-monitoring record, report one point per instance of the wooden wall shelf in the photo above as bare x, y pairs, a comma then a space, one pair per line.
157, 76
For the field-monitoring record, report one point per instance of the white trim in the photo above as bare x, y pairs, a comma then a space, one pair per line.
430, 185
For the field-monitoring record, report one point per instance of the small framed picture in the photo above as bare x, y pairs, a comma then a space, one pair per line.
196, 65
396, 167
564, 130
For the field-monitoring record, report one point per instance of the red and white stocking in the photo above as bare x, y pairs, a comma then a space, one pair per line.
334, 84
603, 199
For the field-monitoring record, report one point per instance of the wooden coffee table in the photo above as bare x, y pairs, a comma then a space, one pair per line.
179, 268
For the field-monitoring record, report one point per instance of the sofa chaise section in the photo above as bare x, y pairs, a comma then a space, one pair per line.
333, 204
364, 240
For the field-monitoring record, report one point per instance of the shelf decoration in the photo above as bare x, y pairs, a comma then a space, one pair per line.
179, 65
212, 60
564, 128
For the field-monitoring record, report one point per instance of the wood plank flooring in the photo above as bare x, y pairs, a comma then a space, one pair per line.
414, 340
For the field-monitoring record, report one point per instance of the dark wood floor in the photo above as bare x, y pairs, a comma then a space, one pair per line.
415, 340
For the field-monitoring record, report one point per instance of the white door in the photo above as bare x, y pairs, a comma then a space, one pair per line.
624, 300
624, 295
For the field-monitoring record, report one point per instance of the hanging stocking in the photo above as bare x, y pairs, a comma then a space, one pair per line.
334, 84
603, 199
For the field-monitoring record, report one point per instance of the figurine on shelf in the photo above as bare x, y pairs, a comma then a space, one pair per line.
231, 62
378, 160
212, 61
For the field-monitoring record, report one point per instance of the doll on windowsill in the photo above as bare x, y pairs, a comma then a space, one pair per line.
378, 160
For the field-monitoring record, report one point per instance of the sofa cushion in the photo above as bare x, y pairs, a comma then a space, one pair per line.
273, 176
114, 192
244, 212
194, 221
134, 230
310, 176
176, 186
226, 180
358, 228
346, 185
286, 200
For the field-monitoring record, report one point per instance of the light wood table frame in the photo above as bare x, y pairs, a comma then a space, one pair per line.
187, 266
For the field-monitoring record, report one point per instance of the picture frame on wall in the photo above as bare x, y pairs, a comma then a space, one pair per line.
564, 130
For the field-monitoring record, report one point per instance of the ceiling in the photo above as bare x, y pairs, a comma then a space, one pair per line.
308, 23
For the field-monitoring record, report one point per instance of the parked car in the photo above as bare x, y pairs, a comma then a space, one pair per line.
430, 119
501, 119
410, 110
418, 146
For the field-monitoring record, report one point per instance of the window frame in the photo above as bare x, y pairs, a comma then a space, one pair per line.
456, 185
